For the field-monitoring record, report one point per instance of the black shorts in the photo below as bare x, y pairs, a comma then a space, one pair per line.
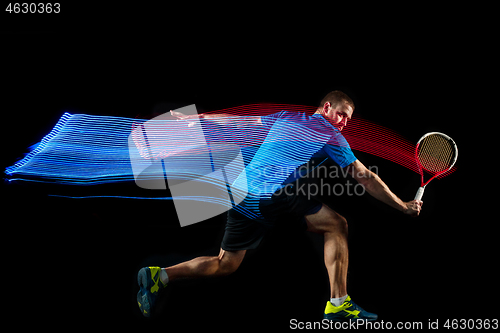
244, 233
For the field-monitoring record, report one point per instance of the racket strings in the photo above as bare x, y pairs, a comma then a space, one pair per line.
435, 153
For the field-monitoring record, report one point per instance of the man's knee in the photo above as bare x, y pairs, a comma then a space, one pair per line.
229, 261
336, 224
326, 220
228, 266
341, 223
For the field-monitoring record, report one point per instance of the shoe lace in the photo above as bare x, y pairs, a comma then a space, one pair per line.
347, 304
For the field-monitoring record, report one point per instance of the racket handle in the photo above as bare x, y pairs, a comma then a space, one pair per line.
420, 193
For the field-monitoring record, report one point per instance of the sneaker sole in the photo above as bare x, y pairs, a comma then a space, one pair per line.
143, 299
342, 319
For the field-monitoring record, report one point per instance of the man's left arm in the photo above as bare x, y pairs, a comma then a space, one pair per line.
220, 118
379, 190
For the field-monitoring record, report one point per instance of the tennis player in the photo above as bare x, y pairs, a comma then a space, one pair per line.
243, 233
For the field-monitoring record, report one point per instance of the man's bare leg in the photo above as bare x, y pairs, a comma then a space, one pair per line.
149, 278
334, 228
226, 263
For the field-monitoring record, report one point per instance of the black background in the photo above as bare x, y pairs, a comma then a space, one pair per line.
74, 261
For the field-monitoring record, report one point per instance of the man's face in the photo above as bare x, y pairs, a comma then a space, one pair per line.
339, 116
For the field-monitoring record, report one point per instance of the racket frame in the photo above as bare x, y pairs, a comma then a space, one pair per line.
421, 190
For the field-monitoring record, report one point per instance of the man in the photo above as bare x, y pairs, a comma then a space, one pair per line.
294, 137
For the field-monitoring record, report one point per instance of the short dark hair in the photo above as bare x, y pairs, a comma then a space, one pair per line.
335, 98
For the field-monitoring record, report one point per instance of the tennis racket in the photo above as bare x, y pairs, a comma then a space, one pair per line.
436, 153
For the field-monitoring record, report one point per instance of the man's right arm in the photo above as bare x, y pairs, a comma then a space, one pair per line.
379, 190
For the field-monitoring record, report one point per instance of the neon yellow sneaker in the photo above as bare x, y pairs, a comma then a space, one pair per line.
150, 284
347, 311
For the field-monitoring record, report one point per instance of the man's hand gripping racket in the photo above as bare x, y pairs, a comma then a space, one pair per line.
435, 153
